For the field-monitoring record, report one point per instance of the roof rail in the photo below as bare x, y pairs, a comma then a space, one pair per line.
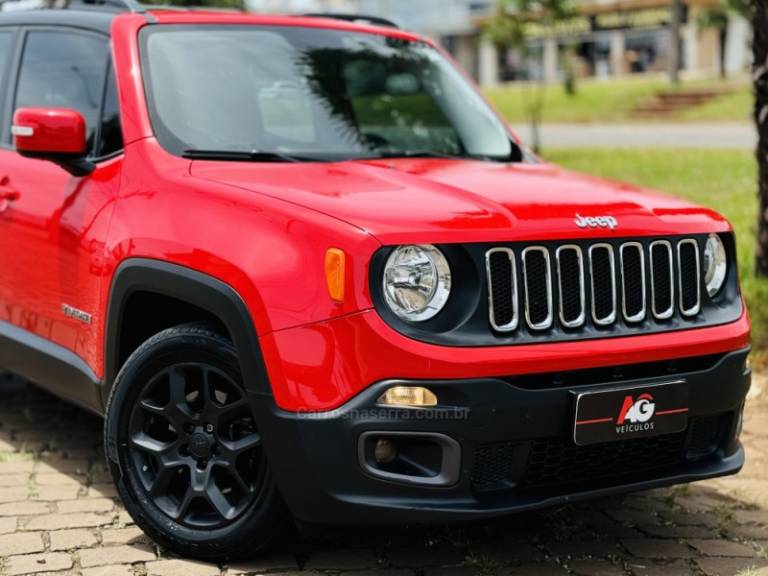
115, 5
359, 18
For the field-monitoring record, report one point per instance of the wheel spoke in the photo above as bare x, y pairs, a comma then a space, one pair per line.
237, 447
179, 408
163, 479
149, 444
243, 485
186, 501
218, 501
153, 408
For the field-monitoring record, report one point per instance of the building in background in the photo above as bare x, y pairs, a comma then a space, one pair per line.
607, 38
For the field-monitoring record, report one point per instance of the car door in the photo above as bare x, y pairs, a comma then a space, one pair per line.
52, 224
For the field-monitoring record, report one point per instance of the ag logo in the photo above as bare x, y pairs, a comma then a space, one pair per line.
637, 411
596, 222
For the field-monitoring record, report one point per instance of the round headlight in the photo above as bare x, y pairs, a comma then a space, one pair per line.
417, 282
715, 265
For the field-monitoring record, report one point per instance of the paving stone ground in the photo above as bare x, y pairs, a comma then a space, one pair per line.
59, 515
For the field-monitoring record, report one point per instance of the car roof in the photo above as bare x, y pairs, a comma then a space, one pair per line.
100, 18
96, 20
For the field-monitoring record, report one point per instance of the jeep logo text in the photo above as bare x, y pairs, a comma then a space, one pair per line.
596, 222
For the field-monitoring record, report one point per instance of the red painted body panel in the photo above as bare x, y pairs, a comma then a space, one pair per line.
321, 366
264, 230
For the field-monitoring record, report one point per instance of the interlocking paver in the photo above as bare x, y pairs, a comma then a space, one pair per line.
657, 548
86, 505
36, 563
722, 548
71, 539
24, 509
181, 568
110, 570
66, 510
129, 535
21, 543
115, 555
63, 521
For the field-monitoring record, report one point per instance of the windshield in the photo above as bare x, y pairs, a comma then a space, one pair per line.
308, 93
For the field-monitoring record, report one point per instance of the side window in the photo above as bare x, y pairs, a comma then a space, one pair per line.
63, 70
111, 136
6, 53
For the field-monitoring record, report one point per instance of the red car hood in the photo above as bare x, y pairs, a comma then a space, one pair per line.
440, 201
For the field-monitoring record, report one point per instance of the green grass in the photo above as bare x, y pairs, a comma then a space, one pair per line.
722, 180
614, 101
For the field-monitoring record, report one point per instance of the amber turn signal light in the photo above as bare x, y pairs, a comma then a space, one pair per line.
410, 396
335, 264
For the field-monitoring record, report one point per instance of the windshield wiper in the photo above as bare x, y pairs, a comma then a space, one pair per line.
416, 154
242, 156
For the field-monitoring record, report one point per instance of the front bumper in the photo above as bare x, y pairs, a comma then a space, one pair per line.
515, 450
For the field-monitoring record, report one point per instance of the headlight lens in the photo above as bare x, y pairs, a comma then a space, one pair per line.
715, 264
417, 282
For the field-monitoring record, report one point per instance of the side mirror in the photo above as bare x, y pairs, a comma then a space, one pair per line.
55, 134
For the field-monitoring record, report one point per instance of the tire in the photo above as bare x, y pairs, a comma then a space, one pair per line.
185, 451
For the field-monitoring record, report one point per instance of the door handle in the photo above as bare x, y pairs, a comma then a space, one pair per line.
7, 192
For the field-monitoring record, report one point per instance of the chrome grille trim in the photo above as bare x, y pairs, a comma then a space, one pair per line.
547, 322
610, 318
582, 288
640, 316
667, 313
513, 324
694, 310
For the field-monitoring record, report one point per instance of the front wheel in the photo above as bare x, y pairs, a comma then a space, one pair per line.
186, 452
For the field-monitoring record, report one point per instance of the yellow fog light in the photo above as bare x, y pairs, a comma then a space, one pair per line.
412, 396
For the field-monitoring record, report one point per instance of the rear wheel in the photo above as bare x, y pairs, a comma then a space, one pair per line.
190, 462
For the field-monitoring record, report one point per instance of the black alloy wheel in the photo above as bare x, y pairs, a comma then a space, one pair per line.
195, 446
185, 449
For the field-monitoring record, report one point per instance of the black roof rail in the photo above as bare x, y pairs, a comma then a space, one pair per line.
110, 5
359, 18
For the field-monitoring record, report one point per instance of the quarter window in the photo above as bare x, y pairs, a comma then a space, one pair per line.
111, 136
64, 70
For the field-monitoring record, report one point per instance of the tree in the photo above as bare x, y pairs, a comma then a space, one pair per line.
760, 45
717, 17
676, 48
508, 29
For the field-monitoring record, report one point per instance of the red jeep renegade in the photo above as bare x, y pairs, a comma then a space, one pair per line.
306, 272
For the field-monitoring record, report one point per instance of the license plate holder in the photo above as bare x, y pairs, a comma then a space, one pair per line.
630, 412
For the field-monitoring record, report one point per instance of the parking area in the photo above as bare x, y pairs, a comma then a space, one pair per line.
59, 515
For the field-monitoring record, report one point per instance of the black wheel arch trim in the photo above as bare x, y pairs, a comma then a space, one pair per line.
191, 287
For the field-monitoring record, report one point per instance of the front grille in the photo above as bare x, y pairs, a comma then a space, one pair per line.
553, 462
537, 277
662, 282
601, 284
689, 285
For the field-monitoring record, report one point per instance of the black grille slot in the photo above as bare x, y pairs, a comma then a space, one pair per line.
705, 436
661, 280
570, 273
502, 288
538, 288
603, 284
494, 467
688, 263
633, 282
553, 462
559, 461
